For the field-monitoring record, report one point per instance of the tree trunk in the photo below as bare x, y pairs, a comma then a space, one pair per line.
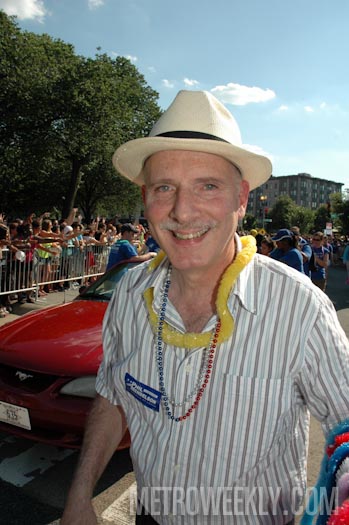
75, 179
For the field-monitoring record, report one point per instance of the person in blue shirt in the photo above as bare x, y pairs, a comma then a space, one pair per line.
287, 251
319, 276
151, 243
305, 249
123, 248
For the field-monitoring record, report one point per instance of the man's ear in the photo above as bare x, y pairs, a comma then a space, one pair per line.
244, 192
143, 193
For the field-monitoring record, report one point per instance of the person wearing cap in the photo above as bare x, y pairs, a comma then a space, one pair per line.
286, 250
304, 247
123, 249
213, 354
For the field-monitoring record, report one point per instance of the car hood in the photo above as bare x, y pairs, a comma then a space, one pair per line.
62, 340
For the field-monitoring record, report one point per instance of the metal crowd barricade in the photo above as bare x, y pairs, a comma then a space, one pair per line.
71, 266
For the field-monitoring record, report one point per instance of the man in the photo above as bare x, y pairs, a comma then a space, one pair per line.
213, 354
124, 249
286, 250
304, 248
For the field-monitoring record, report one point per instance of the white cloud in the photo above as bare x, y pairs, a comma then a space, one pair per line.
308, 109
95, 4
166, 83
131, 58
323, 105
25, 9
239, 95
190, 83
151, 69
283, 108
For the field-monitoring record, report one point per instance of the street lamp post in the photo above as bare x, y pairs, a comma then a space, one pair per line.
263, 200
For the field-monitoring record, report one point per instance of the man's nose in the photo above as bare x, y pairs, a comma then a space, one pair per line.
183, 205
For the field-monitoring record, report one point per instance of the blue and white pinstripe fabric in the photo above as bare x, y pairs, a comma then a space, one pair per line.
248, 438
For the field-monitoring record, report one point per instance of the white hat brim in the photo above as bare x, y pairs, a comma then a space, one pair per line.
129, 158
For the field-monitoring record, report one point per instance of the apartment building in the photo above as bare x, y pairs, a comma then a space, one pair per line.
304, 190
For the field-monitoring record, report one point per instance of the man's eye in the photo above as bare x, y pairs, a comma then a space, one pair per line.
210, 187
163, 188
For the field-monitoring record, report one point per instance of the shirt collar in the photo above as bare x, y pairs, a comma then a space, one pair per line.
245, 289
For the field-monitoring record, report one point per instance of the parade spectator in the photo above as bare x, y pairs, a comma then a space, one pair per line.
304, 247
101, 233
327, 244
45, 252
23, 268
346, 261
287, 250
124, 248
267, 246
321, 255
78, 250
5, 304
13, 230
150, 242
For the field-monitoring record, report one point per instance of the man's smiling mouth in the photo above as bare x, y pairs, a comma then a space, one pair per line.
188, 236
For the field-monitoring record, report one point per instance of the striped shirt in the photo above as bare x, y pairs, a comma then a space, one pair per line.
240, 458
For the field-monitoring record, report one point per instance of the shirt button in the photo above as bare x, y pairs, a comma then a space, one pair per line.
176, 468
188, 368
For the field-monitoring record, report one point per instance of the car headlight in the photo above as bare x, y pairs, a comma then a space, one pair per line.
80, 387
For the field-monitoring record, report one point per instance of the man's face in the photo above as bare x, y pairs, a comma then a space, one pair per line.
193, 202
129, 236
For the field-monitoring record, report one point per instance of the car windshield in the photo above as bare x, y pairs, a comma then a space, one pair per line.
103, 288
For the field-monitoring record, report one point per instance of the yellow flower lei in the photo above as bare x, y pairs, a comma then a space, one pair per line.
194, 340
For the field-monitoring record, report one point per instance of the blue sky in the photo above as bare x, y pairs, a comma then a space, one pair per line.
281, 67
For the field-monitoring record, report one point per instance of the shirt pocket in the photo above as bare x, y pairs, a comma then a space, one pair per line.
255, 415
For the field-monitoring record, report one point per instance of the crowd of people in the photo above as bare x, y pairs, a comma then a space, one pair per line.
311, 255
53, 252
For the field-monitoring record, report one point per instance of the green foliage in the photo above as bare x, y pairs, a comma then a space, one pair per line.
344, 219
303, 218
321, 218
282, 213
61, 118
340, 212
249, 222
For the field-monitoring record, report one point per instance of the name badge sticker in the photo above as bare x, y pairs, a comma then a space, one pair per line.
143, 393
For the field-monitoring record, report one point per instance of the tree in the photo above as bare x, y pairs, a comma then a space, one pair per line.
282, 212
345, 218
31, 69
62, 116
321, 218
303, 218
340, 209
249, 222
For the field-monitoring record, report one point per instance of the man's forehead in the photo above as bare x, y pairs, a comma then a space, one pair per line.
167, 157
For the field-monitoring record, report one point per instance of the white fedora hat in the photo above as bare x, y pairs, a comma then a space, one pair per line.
195, 121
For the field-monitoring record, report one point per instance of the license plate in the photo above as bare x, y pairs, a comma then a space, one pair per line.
14, 415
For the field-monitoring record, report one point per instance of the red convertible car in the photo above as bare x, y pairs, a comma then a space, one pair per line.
48, 365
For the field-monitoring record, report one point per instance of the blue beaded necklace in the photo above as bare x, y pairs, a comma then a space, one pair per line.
205, 368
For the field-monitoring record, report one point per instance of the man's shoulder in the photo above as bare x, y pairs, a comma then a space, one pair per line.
278, 271
137, 279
